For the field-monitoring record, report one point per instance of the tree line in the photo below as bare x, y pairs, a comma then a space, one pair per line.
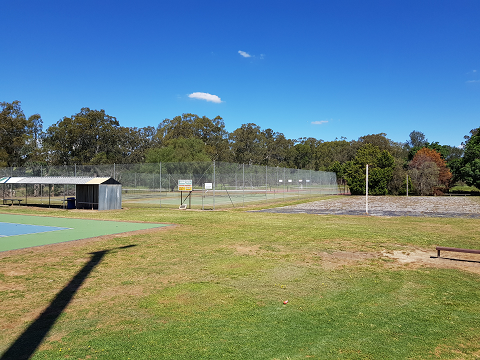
94, 137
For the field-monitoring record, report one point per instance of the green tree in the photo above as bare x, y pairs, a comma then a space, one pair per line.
417, 167
417, 139
277, 148
383, 143
88, 137
398, 182
211, 131
337, 151
305, 152
424, 177
135, 142
36, 154
17, 134
469, 169
381, 164
179, 150
247, 144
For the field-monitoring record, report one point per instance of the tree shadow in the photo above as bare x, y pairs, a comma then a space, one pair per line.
27, 343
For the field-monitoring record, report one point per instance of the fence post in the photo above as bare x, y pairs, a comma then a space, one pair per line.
213, 184
298, 186
310, 181
160, 184
266, 182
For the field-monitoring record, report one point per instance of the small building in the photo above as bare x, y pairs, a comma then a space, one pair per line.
99, 193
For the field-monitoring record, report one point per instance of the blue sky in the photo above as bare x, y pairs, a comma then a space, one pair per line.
322, 69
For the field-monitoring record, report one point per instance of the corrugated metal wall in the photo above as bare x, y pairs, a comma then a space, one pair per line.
109, 197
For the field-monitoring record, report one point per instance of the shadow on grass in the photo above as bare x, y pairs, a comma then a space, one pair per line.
27, 343
453, 259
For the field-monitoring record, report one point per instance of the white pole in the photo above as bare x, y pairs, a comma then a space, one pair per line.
160, 184
407, 185
366, 192
213, 184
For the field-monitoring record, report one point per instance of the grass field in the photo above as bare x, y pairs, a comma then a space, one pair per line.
214, 286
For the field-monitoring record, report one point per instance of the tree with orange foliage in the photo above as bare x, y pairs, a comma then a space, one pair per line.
423, 161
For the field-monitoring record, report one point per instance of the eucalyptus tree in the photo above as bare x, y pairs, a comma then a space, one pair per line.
247, 144
381, 165
19, 136
432, 177
88, 137
469, 167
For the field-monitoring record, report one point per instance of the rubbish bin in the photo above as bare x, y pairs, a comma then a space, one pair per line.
71, 203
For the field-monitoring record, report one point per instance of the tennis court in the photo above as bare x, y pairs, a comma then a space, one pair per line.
23, 231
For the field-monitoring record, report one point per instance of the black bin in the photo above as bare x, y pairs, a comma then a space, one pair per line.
71, 203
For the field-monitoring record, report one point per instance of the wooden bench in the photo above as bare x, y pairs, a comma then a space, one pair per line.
12, 201
443, 248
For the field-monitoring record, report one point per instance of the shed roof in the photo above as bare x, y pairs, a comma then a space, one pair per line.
58, 180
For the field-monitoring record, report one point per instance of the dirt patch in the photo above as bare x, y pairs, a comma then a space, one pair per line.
450, 260
338, 259
247, 250
11, 287
403, 258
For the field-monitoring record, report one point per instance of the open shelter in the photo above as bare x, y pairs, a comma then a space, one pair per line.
99, 193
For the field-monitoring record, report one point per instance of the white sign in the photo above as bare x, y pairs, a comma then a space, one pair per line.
280, 180
289, 180
208, 186
184, 185
300, 180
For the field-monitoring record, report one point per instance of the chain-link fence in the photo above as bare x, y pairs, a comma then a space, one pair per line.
214, 184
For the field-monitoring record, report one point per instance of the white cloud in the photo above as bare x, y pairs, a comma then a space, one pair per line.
473, 81
319, 122
206, 97
244, 54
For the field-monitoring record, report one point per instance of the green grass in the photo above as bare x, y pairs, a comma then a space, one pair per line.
213, 288
464, 189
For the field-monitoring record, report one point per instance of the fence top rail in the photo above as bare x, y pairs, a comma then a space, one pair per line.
58, 180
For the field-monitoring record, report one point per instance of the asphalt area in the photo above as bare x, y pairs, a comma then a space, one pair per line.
419, 206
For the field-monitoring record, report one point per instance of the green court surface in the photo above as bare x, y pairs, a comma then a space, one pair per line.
73, 229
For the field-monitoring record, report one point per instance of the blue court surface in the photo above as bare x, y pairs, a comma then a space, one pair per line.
12, 229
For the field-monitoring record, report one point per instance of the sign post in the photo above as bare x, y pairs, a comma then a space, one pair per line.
185, 185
